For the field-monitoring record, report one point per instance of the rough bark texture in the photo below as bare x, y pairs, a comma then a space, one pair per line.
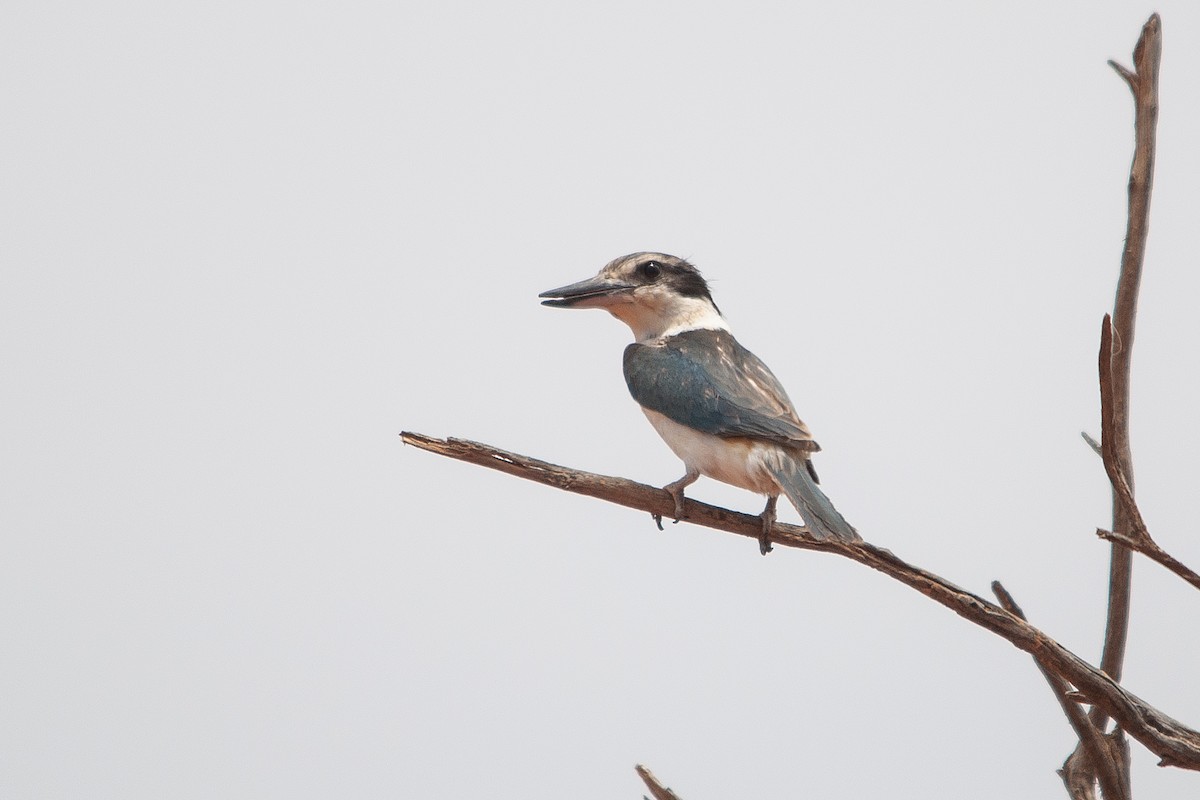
657, 790
1174, 743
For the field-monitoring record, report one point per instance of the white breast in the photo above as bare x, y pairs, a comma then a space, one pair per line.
739, 462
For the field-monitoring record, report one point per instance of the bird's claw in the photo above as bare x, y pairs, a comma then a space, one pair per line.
658, 520
768, 522
676, 491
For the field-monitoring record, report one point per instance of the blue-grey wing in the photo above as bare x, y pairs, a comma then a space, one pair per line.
707, 381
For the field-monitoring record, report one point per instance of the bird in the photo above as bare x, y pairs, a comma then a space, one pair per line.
716, 405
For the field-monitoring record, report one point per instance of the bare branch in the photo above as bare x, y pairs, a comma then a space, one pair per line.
1149, 548
1126, 75
1006, 600
1078, 775
1091, 757
1143, 83
1087, 765
656, 788
1110, 435
1137, 537
1175, 743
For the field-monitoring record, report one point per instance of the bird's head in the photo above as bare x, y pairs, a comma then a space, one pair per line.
653, 293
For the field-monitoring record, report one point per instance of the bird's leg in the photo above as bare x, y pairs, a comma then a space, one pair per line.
676, 491
768, 521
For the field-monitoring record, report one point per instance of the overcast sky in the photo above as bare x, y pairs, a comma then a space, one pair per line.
245, 245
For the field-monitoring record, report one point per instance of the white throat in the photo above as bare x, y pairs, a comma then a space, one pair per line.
655, 313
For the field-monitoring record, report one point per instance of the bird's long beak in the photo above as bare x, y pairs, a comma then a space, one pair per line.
596, 292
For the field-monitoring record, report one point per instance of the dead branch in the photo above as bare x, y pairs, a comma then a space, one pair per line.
1082, 765
1111, 434
656, 788
1091, 761
1136, 536
1149, 548
1143, 83
1174, 743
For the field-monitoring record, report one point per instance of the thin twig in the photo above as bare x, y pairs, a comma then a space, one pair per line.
1149, 548
1174, 743
1091, 757
655, 786
1092, 443
1124, 504
1137, 536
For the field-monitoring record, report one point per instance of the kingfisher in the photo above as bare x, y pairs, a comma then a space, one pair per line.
716, 405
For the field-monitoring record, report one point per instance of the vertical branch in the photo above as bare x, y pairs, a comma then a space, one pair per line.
1085, 765
1143, 83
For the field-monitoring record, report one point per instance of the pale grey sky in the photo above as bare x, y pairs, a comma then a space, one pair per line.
244, 245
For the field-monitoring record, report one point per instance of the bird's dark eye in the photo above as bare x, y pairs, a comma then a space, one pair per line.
651, 270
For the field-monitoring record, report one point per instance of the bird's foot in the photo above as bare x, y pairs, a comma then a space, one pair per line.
676, 491
768, 522
678, 509
764, 538
678, 495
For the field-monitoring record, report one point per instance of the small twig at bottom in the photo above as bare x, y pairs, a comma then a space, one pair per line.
656, 788
1091, 758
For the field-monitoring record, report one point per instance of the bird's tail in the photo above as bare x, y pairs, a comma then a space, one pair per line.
818, 512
